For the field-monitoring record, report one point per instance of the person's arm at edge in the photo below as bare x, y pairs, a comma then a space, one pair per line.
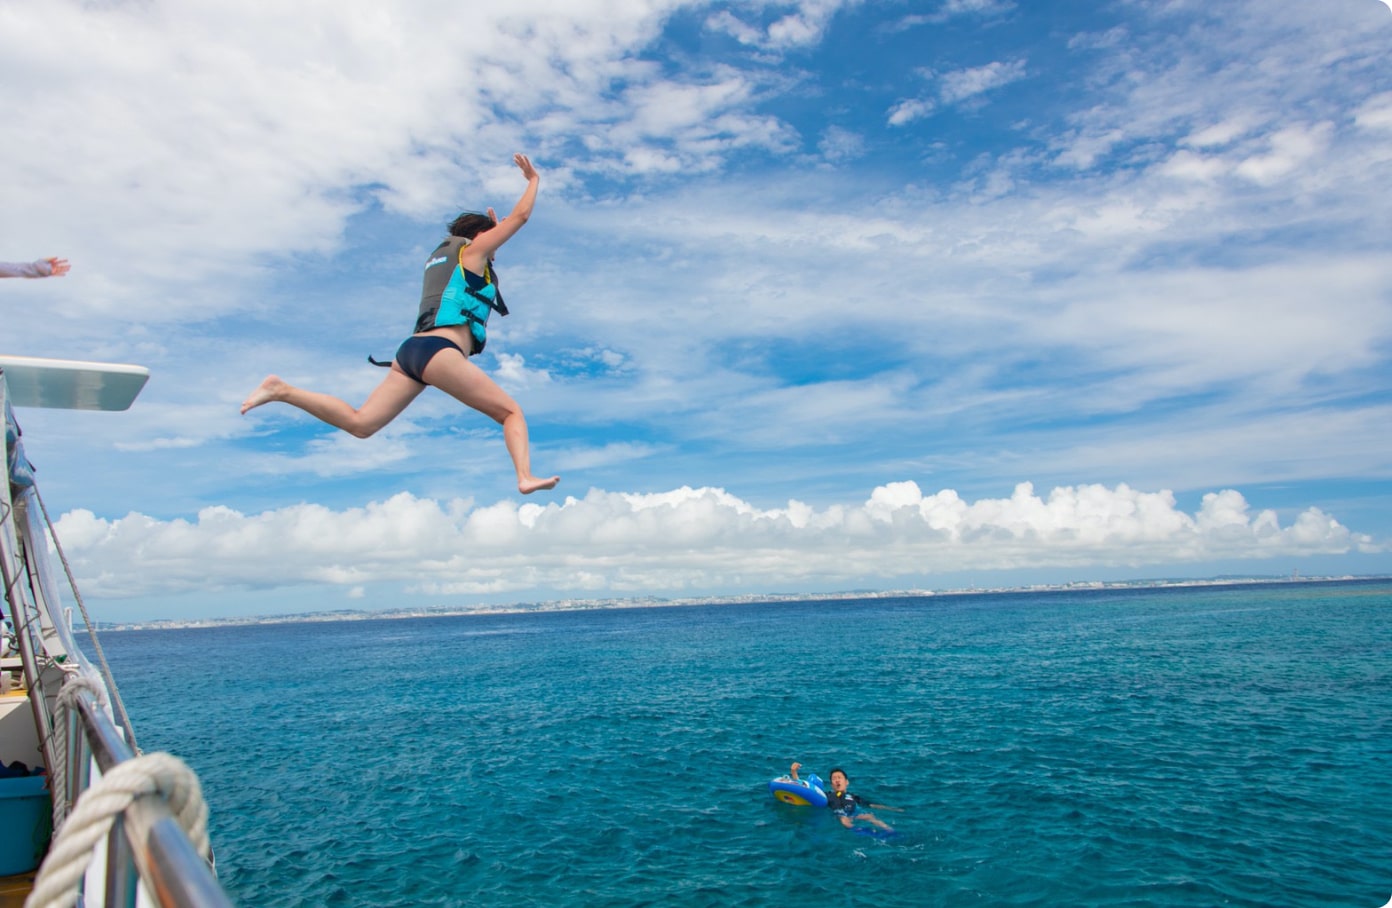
49, 267
792, 772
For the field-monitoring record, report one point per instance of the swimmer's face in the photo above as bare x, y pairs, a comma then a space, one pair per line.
838, 782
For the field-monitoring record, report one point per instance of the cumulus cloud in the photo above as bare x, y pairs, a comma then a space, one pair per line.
513, 372
685, 540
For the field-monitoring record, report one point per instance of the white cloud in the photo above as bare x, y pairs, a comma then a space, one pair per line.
1223, 133
1287, 149
618, 452
907, 111
340, 454
975, 7
968, 83
1186, 165
1184, 281
956, 87
726, 22
683, 540
951, 9
802, 28
839, 145
211, 145
669, 127
1376, 112
512, 372
1204, 326
1083, 149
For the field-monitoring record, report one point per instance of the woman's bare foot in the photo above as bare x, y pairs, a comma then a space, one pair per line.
532, 484
270, 389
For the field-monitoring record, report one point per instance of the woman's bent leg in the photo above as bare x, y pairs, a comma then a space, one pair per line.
383, 405
451, 372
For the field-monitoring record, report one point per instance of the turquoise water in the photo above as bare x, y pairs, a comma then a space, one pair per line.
1199, 747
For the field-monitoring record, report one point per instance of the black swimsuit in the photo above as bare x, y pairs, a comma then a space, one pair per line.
418, 350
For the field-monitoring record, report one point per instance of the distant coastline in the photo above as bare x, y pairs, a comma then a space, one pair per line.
577, 605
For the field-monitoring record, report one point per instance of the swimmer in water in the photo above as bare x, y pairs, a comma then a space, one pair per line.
845, 805
460, 291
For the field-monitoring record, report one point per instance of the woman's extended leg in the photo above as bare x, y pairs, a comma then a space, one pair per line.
383, 405
451, 372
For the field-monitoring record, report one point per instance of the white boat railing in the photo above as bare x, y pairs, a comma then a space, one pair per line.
149, 839
144, 853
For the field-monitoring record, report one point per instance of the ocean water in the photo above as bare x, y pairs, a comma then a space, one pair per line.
1197, 747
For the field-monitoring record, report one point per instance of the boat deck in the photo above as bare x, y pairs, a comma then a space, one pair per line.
15, 889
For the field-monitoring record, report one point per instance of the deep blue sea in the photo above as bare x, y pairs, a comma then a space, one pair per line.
1199, 747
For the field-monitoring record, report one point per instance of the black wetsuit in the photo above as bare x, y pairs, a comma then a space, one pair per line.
845, 804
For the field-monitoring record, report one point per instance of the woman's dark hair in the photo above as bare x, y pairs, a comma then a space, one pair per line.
470, 224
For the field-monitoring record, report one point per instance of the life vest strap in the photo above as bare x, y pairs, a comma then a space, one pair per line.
496, 303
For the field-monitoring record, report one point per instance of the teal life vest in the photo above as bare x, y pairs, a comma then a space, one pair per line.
458, 296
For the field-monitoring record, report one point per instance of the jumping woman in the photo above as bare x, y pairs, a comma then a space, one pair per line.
459, 293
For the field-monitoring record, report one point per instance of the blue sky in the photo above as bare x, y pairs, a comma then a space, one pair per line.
817, 296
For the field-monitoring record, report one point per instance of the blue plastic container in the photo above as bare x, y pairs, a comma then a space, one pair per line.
26, 823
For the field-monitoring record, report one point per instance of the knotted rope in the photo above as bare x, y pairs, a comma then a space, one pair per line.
159, 773
75, 683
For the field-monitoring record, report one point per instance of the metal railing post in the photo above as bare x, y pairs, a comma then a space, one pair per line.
77, 770
121, 876
173, 871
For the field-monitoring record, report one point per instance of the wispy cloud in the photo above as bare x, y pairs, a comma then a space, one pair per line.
951, 9
908, 110
803, 27
839, 145
958, 87
968, 83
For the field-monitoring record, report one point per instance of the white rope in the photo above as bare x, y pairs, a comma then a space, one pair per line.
76, 682
58, 880
73, 682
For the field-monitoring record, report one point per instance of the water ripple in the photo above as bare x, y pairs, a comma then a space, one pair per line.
1170, 748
